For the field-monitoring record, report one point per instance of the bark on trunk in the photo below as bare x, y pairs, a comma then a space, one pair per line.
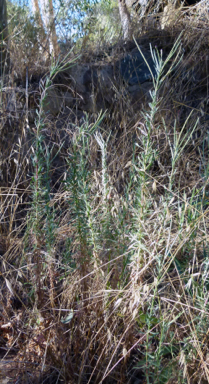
42, 38
4, 53
49, 21
125, 19
37, 13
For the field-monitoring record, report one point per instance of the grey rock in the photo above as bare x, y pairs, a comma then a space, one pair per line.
69, 100
52, 102
142, 89
105, 75
92, 88
134, 70
90, 79
77, 76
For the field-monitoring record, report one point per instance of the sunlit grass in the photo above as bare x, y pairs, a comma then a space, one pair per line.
105, 271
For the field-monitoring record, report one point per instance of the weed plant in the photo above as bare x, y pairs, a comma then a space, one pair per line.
160, 265
112, 282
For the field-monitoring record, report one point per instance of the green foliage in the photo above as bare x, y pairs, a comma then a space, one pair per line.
70, 18
22, 25
78, 189
103, 24
117, 258
98, 19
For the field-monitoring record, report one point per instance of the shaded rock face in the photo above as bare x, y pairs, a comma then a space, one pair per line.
87, 87
99, 90
131, 71
134, 68
52, 102
93, 88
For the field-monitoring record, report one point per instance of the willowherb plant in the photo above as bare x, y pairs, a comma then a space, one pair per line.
40, 233
78, 188
165, 237
150, 258
117, 258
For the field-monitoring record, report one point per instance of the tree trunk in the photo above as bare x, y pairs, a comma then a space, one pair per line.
42, 38
4, 54
37, 13
46, 23
49, 21
125, 19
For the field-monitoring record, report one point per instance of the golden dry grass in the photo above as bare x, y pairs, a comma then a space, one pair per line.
104, 267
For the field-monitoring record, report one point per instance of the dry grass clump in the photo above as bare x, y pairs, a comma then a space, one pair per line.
104, 260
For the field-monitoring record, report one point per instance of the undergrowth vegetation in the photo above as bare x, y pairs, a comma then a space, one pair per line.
104, 253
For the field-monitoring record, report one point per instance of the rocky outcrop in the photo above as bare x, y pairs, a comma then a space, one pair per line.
87, 87
95, 87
